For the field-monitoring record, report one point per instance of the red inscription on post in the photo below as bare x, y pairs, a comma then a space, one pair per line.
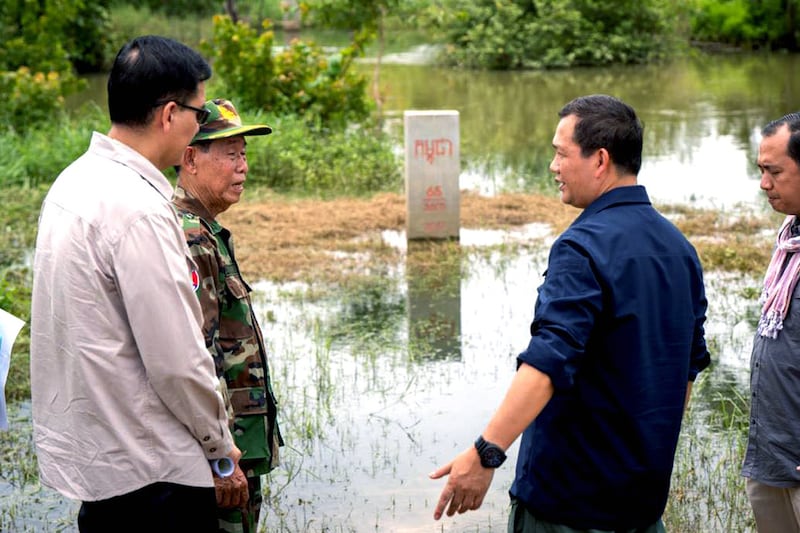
434, 199
434, 226
433, 148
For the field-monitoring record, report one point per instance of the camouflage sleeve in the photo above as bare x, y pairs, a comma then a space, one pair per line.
203, 248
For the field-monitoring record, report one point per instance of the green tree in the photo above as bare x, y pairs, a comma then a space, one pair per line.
518, 34
43, 44
367, 22
298, 79
55, 35
769, 24
366, 19
179, 7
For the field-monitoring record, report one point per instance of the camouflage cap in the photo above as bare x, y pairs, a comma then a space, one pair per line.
224, 121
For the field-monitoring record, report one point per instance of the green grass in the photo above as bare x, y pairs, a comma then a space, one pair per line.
707, 492
129, 22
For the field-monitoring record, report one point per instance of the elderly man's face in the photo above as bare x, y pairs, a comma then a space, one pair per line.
780, 175
221, 173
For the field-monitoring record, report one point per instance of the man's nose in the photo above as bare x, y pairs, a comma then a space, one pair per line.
766, 181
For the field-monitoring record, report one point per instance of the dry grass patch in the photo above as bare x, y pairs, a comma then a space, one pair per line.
308, 239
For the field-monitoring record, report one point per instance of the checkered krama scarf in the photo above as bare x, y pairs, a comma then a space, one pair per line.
780, 280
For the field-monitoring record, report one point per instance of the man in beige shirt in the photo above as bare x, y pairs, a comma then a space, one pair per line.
126, 405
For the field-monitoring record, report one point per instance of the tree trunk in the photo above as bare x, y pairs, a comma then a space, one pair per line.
230, 9
376, 76
791, 25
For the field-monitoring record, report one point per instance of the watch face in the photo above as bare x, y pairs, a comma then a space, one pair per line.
492, 457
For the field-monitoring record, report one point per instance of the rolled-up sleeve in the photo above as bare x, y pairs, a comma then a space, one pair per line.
566, 310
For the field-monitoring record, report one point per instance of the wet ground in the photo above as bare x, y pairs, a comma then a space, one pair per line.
384, 380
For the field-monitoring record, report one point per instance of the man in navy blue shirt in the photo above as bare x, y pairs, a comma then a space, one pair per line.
616, 341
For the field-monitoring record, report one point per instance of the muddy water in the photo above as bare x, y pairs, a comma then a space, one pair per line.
380, 386
701, 114
379, 415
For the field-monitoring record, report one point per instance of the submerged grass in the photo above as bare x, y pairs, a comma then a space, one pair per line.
332, 256
324, 240
338, 242
708, 492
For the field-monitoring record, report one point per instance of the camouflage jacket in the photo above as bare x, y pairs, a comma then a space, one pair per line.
232, 335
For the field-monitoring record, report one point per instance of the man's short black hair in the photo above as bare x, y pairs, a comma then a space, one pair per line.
151, 70
606, 122
792, 121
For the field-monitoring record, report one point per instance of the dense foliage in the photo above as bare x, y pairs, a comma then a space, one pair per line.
254, 10
300, 78
55, 35
343, 162
364, 18
43, 44
764, 24
179, 8
518, 34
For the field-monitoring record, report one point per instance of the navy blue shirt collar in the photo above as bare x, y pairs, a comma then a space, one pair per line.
629, 194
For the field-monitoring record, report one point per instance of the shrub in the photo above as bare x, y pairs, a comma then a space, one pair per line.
299, 79
32, 98
300, 160
769, 23
515, 34
42, 45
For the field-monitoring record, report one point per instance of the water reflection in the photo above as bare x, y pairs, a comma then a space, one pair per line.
366, 418
433, 278
391, 419
381, 382
384, 420
700, 114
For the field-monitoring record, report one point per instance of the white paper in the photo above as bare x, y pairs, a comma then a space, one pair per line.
9, 328
222, 467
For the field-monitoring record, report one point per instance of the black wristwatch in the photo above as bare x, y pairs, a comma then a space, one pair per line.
491, 454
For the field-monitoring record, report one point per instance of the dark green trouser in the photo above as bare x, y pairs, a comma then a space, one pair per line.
243, 520
522, 521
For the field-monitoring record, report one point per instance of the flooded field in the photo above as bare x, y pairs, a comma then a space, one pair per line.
382, 381
387, 375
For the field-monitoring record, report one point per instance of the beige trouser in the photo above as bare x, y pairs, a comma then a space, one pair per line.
777, 509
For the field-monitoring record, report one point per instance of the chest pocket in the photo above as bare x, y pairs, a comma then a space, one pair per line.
235, 321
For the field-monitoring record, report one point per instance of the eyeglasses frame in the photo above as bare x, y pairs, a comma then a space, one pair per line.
201, 114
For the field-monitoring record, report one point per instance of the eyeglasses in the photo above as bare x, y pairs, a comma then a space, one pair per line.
200, 114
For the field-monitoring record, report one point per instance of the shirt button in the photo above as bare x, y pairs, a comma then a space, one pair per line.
212, 450
206, 438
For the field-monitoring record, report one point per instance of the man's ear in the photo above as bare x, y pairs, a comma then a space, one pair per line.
165, 115
189, 159
603, 160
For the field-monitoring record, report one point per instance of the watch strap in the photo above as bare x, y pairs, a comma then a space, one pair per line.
491, 455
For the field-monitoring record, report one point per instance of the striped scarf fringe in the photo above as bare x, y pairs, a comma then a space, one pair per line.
779, 282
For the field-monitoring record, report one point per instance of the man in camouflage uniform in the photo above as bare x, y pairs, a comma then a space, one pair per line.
211, 179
